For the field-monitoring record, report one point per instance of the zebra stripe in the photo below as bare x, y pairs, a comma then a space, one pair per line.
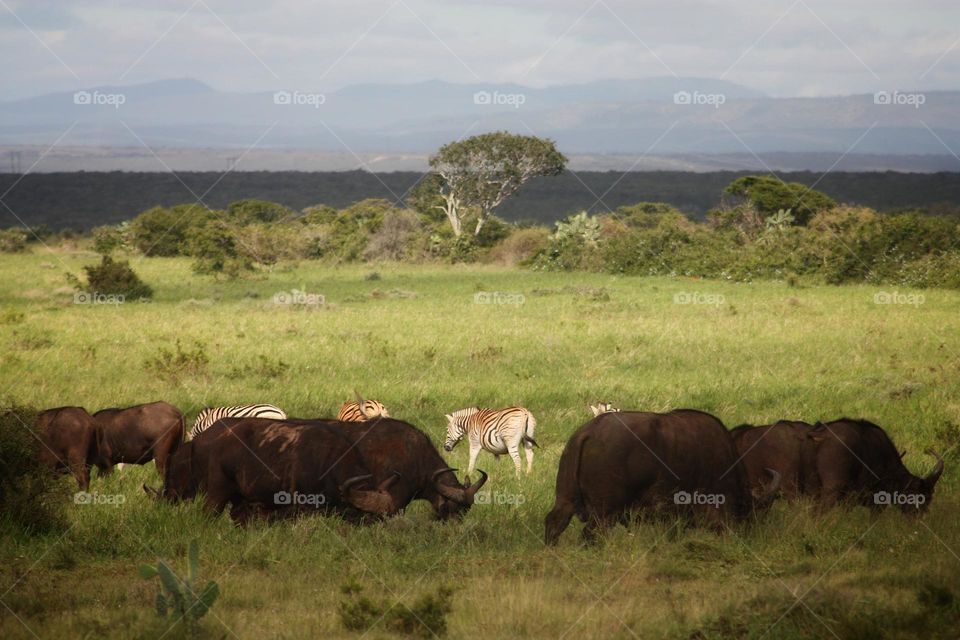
361, 411
603, 407
211, 414
498, 431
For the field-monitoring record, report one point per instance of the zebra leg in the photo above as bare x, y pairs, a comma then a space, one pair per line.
515, 455
474, 452
528, 451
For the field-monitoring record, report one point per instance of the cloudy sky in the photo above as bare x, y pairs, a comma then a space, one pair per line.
781, 47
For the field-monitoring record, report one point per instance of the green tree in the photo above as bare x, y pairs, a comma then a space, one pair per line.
770, 195
483, 171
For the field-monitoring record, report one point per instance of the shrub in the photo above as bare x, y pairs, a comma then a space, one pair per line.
116, 278
32, 498
521, 246
396, 237
109, 238
179, 362
157, 232
214, 250
13, 240
426, 617
269, 244
243, 212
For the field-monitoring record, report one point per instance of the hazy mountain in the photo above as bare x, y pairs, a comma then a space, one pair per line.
660, 116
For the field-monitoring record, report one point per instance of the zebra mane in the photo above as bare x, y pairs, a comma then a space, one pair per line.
464, 413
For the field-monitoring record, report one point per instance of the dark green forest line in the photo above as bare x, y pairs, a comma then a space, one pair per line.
84, 200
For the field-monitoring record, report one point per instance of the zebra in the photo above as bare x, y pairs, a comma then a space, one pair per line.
498, 431
211, 414
603, 407
361, 410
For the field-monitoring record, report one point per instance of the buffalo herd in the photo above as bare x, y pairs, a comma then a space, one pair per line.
618, 466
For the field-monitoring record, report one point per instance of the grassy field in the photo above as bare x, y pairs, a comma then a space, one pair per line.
417, 339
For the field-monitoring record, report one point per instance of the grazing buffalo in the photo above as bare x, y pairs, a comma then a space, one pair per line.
139, 434
678, 462
392, 446
784, 447
68, 440
266, 467
856, 460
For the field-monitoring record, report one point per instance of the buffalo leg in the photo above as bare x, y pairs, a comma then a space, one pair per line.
557, 521
82, 473
596, 526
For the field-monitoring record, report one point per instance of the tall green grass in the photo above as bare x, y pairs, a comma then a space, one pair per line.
416, 340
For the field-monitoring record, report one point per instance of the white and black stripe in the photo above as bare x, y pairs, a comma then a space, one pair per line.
362, 410
211, 414
603, 407
498, 431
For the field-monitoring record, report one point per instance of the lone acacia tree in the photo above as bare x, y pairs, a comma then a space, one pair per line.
483, 171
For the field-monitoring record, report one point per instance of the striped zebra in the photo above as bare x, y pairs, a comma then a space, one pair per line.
211, 414
498, 431
362, 410
603, 407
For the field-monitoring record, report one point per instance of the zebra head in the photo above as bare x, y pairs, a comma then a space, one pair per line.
373, 409
603, 407
456, 429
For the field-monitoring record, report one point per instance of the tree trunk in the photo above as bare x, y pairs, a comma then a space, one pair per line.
452, 210
480, 221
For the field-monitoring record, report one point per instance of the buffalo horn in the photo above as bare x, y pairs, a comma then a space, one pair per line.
937, 469
386, 484
354, 480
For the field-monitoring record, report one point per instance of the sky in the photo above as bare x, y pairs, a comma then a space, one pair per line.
780, 47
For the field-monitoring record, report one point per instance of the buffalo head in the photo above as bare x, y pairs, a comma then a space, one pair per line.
378, 502
455, 499
918, 492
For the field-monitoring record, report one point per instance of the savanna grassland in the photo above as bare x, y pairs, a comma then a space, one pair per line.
416, 339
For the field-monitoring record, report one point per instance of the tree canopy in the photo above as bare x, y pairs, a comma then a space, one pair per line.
770, 195
481, 172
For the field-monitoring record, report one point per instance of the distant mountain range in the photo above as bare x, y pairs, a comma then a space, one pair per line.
657, 117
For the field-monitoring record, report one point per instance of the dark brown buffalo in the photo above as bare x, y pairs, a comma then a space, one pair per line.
857, 461
139, 434
392, 446
785, 447
678, 462
271, 468
68, 440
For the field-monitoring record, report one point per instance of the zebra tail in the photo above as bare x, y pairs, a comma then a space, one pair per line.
528, 427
